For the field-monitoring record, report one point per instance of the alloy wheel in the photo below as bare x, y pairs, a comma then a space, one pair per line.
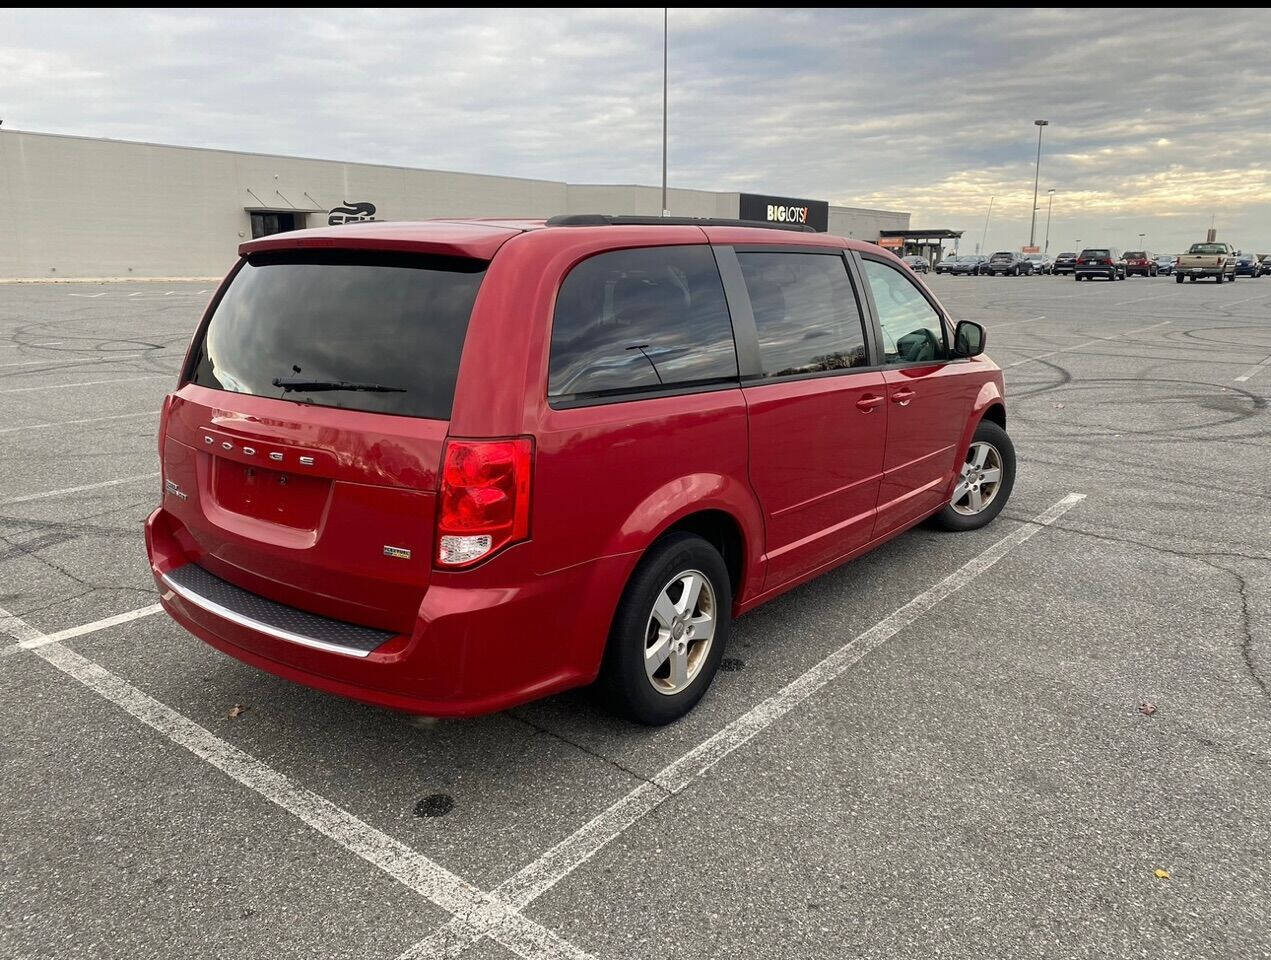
679, 633
980, 481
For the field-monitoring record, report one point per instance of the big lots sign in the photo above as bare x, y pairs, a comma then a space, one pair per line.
765, 209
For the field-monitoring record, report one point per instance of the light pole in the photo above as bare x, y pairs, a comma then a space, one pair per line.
1049, 205
1036, 179
985, 233
1143, 241
666, 212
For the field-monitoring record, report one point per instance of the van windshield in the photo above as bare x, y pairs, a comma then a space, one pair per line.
360, 331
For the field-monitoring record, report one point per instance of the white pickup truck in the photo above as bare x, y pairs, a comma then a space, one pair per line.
1217, 260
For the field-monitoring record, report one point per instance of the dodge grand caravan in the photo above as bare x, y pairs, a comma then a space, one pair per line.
452, 466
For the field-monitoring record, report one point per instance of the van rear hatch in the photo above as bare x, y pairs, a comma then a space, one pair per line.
301, 453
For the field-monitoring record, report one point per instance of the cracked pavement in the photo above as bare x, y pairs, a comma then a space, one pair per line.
1002, 778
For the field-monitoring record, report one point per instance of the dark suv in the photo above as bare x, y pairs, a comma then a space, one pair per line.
1005, 263
452, 466
1065, 263
1105, 262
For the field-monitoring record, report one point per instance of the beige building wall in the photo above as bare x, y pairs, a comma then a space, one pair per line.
862, 224
81, 207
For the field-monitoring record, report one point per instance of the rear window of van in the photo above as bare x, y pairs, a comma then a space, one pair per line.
359, 331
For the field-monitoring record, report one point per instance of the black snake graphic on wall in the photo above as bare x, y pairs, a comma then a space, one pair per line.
351, 213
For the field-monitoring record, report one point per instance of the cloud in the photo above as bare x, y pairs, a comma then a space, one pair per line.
1154, 125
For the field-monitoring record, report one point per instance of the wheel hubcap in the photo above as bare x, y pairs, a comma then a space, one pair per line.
981, 479
681, 627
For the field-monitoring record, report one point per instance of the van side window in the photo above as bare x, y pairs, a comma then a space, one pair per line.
806, 313
639, 320
912, 330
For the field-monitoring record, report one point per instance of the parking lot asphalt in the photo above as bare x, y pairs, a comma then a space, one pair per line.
1045, 738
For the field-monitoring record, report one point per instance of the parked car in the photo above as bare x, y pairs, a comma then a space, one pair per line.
1006, 263
1064, 263
1247, 265
1105, 262
970, 265
1217, 260
1164, 265
452, 466
1041, 263
1140, 262
944, 265
916, 263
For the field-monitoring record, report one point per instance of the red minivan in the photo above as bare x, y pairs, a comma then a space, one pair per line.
452, 466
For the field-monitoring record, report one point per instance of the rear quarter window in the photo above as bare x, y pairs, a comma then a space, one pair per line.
641, 320
315, 321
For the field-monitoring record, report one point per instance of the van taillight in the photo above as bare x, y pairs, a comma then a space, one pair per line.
484, 503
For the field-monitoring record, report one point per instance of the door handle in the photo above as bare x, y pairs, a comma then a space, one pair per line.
903, 396
868, 402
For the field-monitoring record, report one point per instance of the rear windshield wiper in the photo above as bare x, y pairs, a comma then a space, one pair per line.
300, 383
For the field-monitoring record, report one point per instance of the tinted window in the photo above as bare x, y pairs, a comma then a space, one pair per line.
806, 312
640, 319
912, 330
1097, 254
321, 319
1135, 255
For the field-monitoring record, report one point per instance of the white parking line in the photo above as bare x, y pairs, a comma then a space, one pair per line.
1253, 371
44, 640
88, 486
64, 363
1232, 303
87, 296
1078, 346
535, 879
87, 383
1122, 303
1014, 323
425, 877
68, 423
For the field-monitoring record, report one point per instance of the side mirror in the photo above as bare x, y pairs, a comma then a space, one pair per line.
969, 339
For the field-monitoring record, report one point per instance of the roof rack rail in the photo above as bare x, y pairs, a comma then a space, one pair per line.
630, 220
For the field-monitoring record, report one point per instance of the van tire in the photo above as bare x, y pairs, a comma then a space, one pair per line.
997, 438
624, 685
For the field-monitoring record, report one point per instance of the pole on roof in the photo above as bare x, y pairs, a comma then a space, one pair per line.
666, 211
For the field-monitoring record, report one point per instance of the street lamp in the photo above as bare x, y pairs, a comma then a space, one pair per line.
1143, 240
1036, 179
665, 211
1049, 204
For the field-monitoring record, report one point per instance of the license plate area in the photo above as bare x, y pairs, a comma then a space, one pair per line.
277, 496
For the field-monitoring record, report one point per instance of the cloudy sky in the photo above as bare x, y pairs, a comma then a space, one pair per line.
1159, 119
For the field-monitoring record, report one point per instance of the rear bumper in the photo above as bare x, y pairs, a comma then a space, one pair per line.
1096, 271
1136, 271
484, 639
1202, 271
